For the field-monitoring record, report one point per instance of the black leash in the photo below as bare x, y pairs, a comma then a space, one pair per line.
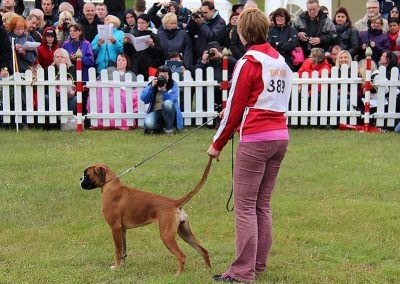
231, 194
163, 149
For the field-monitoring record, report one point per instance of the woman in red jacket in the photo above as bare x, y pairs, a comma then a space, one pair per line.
48, 47
316, 62
258, 99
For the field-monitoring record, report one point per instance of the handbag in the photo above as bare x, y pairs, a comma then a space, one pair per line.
298, 56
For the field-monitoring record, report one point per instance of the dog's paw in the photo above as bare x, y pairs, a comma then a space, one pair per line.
114, 267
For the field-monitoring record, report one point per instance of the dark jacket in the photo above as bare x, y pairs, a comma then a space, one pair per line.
115, 5
149, 57
381, 40
201, 35
322, 27
90, 29
347, 38
236, 46
5, 49
176, 41
217, 66
284, 40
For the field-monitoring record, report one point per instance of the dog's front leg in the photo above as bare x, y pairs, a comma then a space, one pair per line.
123, 236
117, 236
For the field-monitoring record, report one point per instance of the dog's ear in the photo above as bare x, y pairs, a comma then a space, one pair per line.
101, 173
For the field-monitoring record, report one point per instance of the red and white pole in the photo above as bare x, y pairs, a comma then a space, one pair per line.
367, 88
79, 89
367, 99
224, 84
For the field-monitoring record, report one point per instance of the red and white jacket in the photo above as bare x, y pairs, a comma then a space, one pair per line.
259, 95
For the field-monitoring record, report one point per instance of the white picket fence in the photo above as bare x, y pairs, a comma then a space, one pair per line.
309, 106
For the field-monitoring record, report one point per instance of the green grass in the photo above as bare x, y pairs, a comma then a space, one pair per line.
335, 208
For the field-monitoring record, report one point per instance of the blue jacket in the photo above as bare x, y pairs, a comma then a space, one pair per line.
24, 61
87, 55
108, 51
148, 97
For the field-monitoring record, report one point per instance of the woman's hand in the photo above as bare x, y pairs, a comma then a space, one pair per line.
113, 40
162, 89
150, 42
71, 94
154, 82
100, 42
213, 153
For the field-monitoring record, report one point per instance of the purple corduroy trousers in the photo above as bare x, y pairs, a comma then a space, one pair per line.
256, 168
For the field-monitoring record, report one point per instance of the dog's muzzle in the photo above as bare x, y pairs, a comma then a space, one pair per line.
86, 183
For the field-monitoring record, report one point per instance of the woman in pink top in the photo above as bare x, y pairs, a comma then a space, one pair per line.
258, 99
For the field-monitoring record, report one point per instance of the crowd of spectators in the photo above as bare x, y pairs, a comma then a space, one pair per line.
197, 36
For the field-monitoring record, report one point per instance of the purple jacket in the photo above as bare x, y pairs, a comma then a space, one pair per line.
381, 40
87, 54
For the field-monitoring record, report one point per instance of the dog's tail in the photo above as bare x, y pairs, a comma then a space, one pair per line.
181, 201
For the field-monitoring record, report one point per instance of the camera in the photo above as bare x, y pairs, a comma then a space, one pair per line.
65, 26
211, 53
164, 10
161, 82
308, 38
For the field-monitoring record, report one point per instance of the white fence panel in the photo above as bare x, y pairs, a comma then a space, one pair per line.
314, 101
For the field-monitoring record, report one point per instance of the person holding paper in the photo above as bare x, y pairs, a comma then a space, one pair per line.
24, 59
107, 50
151, 57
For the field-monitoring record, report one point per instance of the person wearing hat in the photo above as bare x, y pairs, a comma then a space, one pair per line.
212, 57
47, 48
151, 57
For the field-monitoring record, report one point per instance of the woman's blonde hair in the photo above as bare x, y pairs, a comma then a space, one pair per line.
7, 18
340, 54
65, 54
253, 26
65, 15
169, 17
318, 54
110, 19
362, 68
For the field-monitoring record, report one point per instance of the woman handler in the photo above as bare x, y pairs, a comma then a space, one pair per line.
258, 99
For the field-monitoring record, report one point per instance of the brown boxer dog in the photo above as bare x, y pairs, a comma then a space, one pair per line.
126, 207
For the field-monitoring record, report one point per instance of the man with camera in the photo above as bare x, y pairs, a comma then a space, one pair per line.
315, 29
206, 25
212, 57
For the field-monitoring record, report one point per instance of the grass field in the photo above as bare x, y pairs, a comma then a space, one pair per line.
335, 208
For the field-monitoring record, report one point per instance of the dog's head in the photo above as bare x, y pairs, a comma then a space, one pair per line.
94, 176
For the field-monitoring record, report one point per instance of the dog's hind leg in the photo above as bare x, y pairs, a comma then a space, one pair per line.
186, 234
168, 230
123, 236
